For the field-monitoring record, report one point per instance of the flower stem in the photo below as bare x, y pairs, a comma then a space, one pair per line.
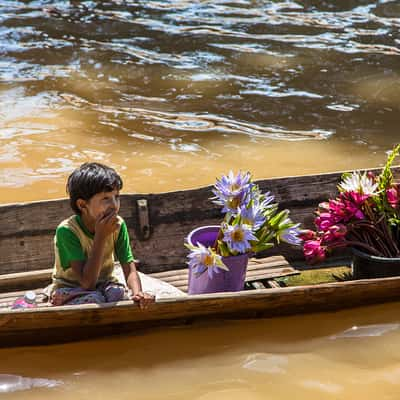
372, 232
348, 243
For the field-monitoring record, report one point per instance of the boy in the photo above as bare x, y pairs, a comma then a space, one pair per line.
85, 244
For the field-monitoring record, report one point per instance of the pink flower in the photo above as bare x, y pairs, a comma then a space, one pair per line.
324, 221
307, 234
393, 196
352, 202
357, 198
335, 233
313, 251
371, 176
337, 207
353, 211
324, 206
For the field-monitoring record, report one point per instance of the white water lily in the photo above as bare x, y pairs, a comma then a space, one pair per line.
358, 182
203, 259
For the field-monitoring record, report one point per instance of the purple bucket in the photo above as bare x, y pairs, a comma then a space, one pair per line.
224, 281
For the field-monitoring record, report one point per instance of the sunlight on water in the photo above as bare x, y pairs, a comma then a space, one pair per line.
174, 93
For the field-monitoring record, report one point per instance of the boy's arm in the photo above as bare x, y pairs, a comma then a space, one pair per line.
124, 254
132, 277
133, 281
89, 270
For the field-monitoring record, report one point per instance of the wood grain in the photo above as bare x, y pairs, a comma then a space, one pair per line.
26, 230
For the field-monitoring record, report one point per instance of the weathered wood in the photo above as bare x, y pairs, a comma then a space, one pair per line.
258, 285
26, 230
181, 281
17, 293
272, 283
25, 280
45, 325
258, 269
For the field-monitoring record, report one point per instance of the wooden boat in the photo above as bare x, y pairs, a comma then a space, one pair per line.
158, 224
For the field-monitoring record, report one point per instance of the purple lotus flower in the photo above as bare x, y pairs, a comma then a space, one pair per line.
203, 259
232, 192
237, 237
252, 215
266, 200
291, 235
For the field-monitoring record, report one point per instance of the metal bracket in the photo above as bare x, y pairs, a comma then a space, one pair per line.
144, 220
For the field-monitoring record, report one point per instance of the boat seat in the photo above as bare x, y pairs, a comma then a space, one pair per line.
261, 273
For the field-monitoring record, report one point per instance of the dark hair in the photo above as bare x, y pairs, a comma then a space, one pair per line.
90, 179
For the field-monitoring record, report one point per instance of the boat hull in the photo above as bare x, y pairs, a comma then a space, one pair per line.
50, 325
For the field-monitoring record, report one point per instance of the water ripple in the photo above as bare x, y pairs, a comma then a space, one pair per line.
206, 122
181, 75
13, 383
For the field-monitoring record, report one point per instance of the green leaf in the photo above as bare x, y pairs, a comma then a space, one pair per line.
261, 247
236, 220
223, 249
276, 220
386, 176
269, 235
190, 246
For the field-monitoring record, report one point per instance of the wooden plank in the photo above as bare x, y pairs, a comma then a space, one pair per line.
257, 268
12, 295
8, 305
177, 278
25, 280
272, 283
254, 264
258, 285
278, 273
273, 260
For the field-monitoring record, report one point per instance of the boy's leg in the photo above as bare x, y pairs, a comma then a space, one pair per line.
66, 296
94, 297
113, 292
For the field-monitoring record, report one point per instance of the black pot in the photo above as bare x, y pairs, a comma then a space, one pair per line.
365, 266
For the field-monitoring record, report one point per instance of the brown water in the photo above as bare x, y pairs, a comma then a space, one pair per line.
307, 357
172, 94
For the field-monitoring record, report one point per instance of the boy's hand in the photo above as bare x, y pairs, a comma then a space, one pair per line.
106, 224
144, 299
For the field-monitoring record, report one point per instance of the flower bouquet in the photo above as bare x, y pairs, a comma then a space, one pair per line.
252, 223
365, 216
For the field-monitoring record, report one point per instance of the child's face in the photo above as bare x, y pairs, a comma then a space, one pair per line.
101, 204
